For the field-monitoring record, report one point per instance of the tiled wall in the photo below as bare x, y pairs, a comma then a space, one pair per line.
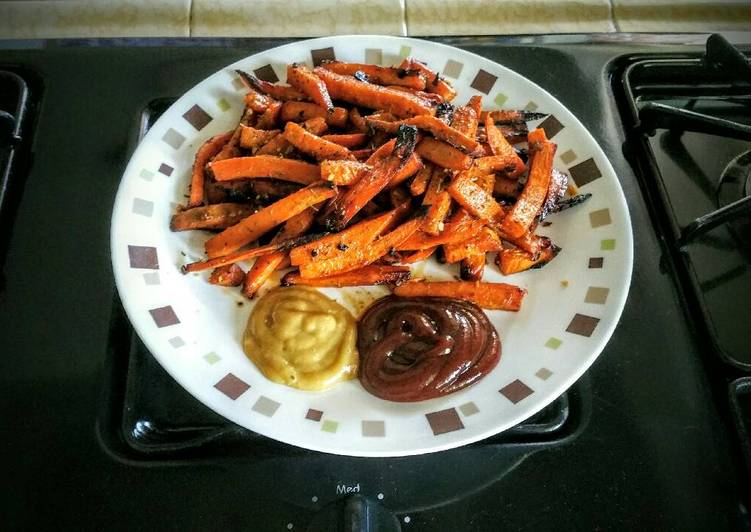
258, 18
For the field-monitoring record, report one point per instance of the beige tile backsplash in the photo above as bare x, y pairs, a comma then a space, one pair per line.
296, 18
94, 18
300, 18
483, 17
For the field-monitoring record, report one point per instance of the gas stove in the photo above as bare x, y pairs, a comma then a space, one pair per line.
654, 434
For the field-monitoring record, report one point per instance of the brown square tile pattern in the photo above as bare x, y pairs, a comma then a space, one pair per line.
585, 172
444, 421
551, 125
597, 295
166, 169
164, 316
197, 117
373, 56
232, 386
516, 391
582, 325
600, 218
453, 69
596, 262
484, 81
322, 54
265, 406
143, 257
266, 73
314, 415
373, 429
568, 156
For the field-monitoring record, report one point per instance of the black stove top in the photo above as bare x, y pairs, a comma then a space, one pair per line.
98, 437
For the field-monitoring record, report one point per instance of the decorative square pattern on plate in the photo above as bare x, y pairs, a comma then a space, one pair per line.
484, 81
515, 391
596, 262
444, 421
582, 325
266, 73
143, 257
600, 218
266, 406
166, 169
597, 295
197, 117
232, 386
585, 172
373, 429
314, 415
551, 125
321, 55
453, 69
164, 316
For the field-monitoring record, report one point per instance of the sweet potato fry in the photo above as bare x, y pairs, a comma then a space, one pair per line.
228, 275
485, 241
252, 138
411, 166
437, 127
349, 203
279, 145
302, 111
420, 182
218, 216
265, 166
255, 225
314, 145
208, 150
343, 172
265, 265
367, 275
524, 211
231, 148
443, 154
354, 237
349, 89
507, 116
452, 233
513, 260
465, 121
496, 296
419, 255
348, 140
428, 97
433, 81
301, 78
474, 198
472, 267
501, 148
343, 260
278, 92
437, 213
507, 188
270, 117
529, 242
378, 74
357, 121
247, 254
436, 185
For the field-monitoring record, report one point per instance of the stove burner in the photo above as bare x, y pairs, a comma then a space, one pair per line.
734, 187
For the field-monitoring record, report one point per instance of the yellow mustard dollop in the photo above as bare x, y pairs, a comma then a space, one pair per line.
299, 337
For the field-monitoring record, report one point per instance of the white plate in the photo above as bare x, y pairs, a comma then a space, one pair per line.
194, 329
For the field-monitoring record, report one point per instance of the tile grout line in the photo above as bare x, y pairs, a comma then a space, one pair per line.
190, 19
403, 6
616, 26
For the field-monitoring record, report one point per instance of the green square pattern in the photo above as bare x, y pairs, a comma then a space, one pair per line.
329, 426
223, 104
404, 51
553, 343
211, 358
500, 99
607, 244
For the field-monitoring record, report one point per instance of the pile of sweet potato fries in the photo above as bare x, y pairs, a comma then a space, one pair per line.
352, 172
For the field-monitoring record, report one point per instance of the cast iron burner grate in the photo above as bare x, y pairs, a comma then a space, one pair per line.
689, 138
156, 419
14, 136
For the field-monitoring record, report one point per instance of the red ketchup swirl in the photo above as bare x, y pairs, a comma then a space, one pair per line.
412, 349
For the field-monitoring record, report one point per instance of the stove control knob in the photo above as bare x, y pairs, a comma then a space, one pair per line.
354, 514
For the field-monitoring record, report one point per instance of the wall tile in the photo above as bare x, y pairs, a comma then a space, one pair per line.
484, 17
94, 18
686, 15
295, 18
